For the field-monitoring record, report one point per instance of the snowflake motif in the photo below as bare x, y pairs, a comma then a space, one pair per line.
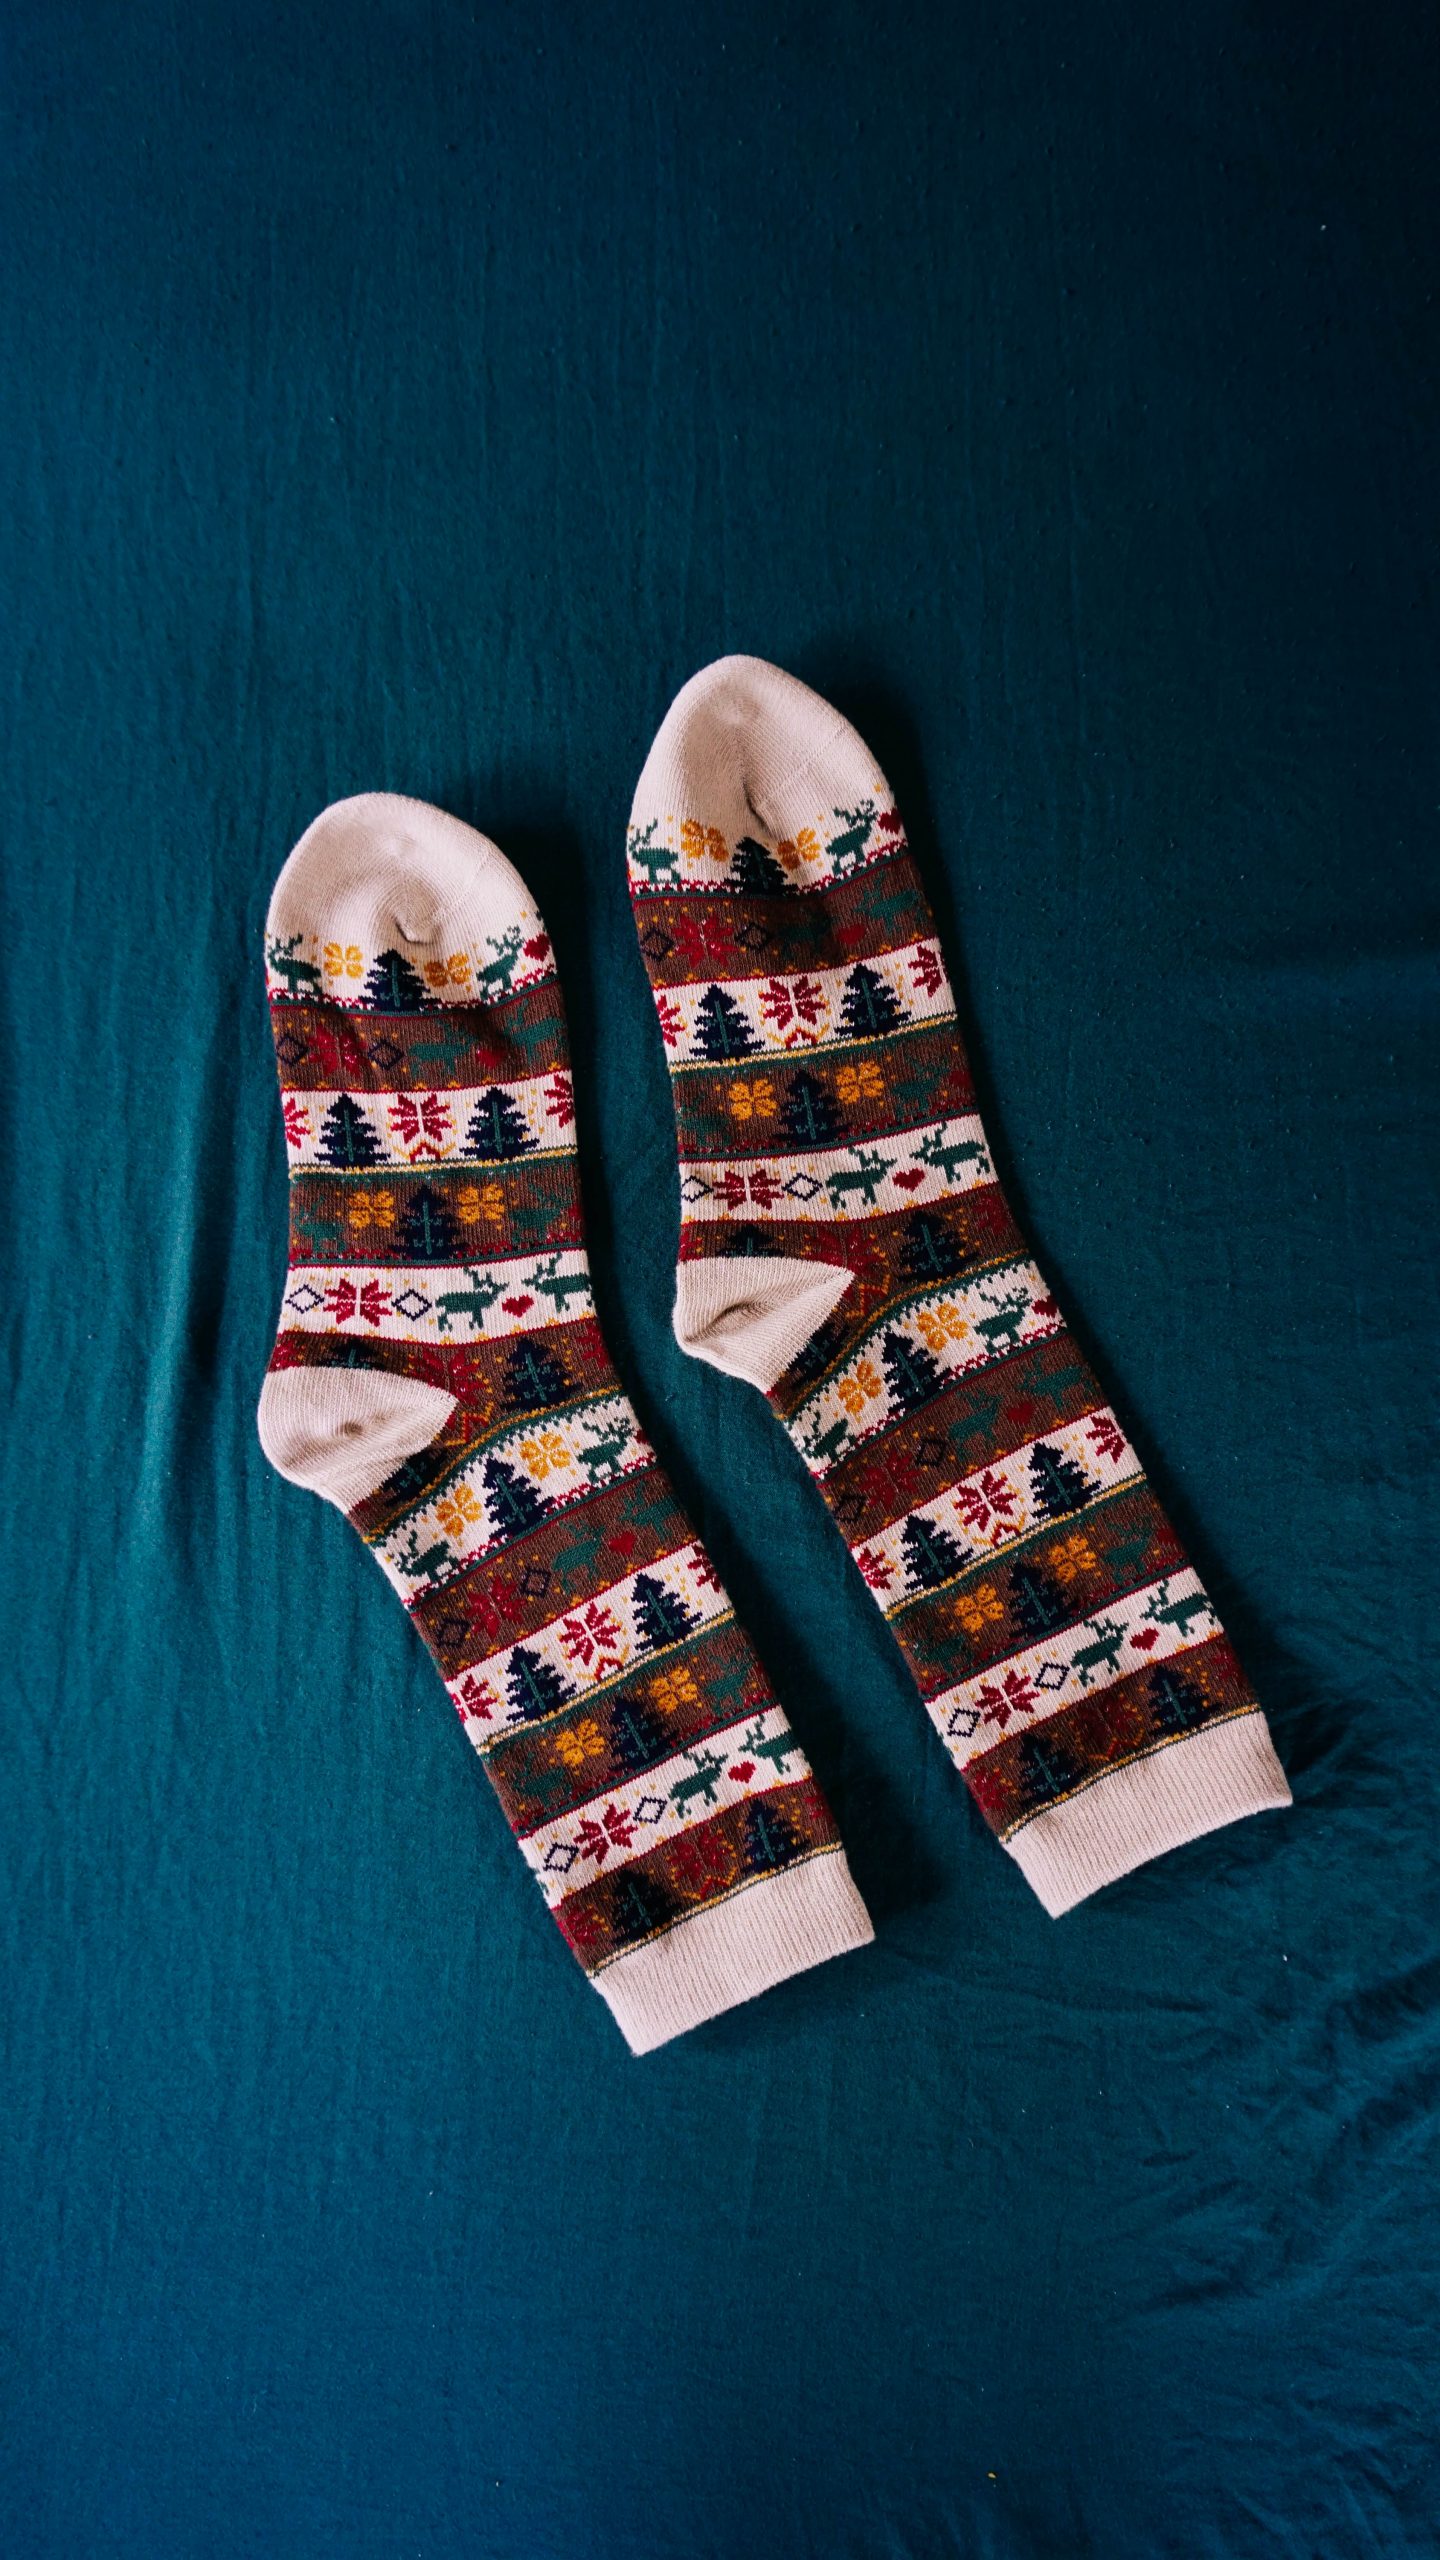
345, 1301
988, 1503
593, 1637
1106, 1435
1014, 1696
877, 1572
458, 1510
861, 1387
424, 1126
702, 1572
475, 1697
343, 960
927, 969
614, 1830
579, 1743
297, 1121
672, 1021
545, 1455
753, 1101
454, 972
560, 1099
797, 1008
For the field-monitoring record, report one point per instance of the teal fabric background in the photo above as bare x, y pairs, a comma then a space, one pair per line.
411, 397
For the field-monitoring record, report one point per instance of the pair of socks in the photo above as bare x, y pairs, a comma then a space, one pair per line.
844, 1246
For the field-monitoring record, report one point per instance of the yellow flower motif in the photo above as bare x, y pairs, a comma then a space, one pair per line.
942, 1324
799, 849
546, 1451
1073, 1557
861, 1387
703, 843
458, 1509
753, 1101
864, 1083
343, 960
454, 972
480, 1201
582, 1742
370, 1209
978, 1609
672, 1689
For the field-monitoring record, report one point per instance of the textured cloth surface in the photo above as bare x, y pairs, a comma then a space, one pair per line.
412, 399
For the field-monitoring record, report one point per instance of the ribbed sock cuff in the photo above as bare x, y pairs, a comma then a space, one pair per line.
777, 1926
1122, 1821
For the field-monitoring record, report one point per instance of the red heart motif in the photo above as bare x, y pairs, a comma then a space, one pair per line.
517, 1306
1020, 1410
537, 949
1145, 1639
907, 1181
742, 1770
623, 1542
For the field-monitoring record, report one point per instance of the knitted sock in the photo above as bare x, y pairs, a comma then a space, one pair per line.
845, 1246
440, 1376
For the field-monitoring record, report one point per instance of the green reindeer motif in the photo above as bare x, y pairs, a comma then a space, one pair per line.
473, 1302
1108, 1636
947, 1156
1166, 1612
820, 1447
700, 1782
848, 846
432, 1564
657, 861
499, 969
549, 1281
300, 976
865, 1173
1002, 1327
777, 1748
604, 1450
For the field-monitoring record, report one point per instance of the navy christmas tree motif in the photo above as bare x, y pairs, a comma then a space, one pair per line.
439, 1374
801, 992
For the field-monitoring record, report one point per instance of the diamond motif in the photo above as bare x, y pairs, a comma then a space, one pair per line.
1051, 1675
304, 1300
291, 1047
534, 1581
656, 943
649, 1809
560, 1857
385, 1055
962, 1723
803, 1186
412, 1306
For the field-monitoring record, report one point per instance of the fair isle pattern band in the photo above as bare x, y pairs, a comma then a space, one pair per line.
986, 1491
729, 1769
475, 1125
462, 1302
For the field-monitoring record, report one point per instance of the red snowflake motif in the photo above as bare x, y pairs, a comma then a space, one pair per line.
702, 1571
988, 1500
672, 1021
423, 1124
927, 968
877, 1572
560, 1099
614, 1830
297, 1121
593, 1637
1106, 1434
475, 1698
1014, 1696
765, 1188
342, 1298
794, 1006
732, 1190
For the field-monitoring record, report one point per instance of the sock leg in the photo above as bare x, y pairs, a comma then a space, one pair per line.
844, 1245
439, 1374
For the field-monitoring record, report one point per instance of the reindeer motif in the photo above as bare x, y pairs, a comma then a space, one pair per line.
604, 1450
473, 1302
777, 1748
657, 861
820, 1448
549, 1281
432, 1563
1001, 1329
1109, 1636
947, 1157
300, 976
1166, 1612
865, 1175
849, 845
499, 969
699, 1783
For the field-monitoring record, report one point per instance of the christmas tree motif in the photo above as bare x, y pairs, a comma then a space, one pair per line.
809, 1111
825, 1344
757, 874
770, 1838
392, 987
638, 1737
497, 1130
1179, 1704
930, 1249
535, 1377
514, 1504
534, 1687
755, 1241
721, 1029
661, 1616
642, 1904
1046, 1768
932, 1556
411, 1478
1058, 1485
869, 1007
347, 1140
427, 1231
911, 1373
1037, 1600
